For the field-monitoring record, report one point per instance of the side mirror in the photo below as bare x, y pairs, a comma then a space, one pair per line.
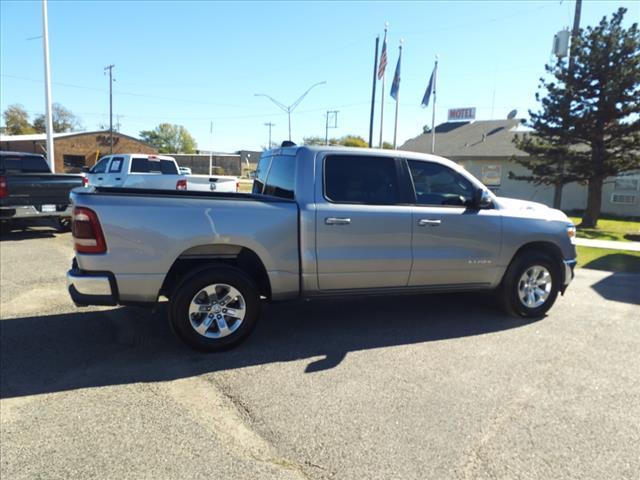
85, 169
482, 199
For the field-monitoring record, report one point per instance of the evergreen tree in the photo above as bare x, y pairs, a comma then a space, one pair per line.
591, 119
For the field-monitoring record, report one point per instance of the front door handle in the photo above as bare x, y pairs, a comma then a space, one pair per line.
118, 178
425, 222
337, 221
99, 178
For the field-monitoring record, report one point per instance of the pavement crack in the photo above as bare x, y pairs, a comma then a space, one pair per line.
230, 421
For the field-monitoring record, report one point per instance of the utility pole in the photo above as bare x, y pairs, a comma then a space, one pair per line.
211, 148
269, 124
557, 194
110, 68
334, 114
47, 88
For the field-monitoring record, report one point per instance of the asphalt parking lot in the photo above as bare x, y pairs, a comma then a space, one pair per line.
414, 387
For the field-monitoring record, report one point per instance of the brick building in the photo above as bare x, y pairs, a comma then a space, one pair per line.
75, 150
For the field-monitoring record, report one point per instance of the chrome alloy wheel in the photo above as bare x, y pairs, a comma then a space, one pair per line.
534, 286
217, 310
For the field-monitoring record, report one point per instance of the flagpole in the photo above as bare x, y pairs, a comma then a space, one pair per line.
384, 43
395, 127
433, 114
373, 92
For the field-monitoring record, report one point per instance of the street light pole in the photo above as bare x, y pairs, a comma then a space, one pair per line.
47, 88
110, 68
292, 107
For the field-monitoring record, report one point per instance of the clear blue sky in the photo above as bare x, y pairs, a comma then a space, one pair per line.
192, 62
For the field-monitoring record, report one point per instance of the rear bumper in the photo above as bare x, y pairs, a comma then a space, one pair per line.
568, 273
30, 211
91, 288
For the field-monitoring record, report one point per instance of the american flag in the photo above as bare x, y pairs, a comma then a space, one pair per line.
383, 58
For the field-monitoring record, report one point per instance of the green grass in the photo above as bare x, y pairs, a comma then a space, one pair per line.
606, 259
609, 229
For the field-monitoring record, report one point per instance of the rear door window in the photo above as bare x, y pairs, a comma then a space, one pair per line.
360, 179
281, 178
116, 165
261, 174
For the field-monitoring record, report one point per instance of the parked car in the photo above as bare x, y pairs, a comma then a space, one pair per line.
29, 191
184, 170
132, 170
321, 221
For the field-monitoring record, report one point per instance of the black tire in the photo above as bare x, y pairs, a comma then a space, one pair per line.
508, 293
193, 284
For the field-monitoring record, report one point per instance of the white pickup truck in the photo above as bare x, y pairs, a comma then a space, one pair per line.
157, 172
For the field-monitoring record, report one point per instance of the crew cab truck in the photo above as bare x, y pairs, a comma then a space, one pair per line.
136, 171
29, 191
321, 221
157, 172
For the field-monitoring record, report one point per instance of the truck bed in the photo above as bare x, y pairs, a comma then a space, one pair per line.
147, 230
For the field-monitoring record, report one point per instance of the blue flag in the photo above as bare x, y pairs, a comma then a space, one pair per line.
395, 86
430, 88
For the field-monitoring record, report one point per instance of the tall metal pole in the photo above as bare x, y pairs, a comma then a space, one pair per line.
289, 114
211, 148
386, 26
557, 193
110, 68
395, 125
269, 124
433, 114
326, 129
51, 157
373, 92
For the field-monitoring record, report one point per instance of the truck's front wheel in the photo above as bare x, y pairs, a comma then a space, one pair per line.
530, 285
214, 309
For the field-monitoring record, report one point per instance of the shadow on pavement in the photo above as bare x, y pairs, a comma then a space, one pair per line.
620, 287
126, 345
26, 234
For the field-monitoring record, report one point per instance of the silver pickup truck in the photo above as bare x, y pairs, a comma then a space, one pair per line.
321, 221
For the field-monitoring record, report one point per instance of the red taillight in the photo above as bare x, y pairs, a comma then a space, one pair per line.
85, 181
237, 186
4, 191
87, 234
181, 184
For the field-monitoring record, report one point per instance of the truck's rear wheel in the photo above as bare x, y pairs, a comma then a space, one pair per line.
530, 286
214, 309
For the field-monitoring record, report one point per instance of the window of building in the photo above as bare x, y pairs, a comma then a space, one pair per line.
73, 163
361, 180
437, 184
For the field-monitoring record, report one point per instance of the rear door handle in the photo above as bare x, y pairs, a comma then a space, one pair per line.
337, 221
425, 222
99, 178
118, 178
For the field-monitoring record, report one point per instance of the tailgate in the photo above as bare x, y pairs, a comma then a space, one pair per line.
38, 189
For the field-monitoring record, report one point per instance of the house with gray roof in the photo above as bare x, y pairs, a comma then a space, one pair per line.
486, 149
